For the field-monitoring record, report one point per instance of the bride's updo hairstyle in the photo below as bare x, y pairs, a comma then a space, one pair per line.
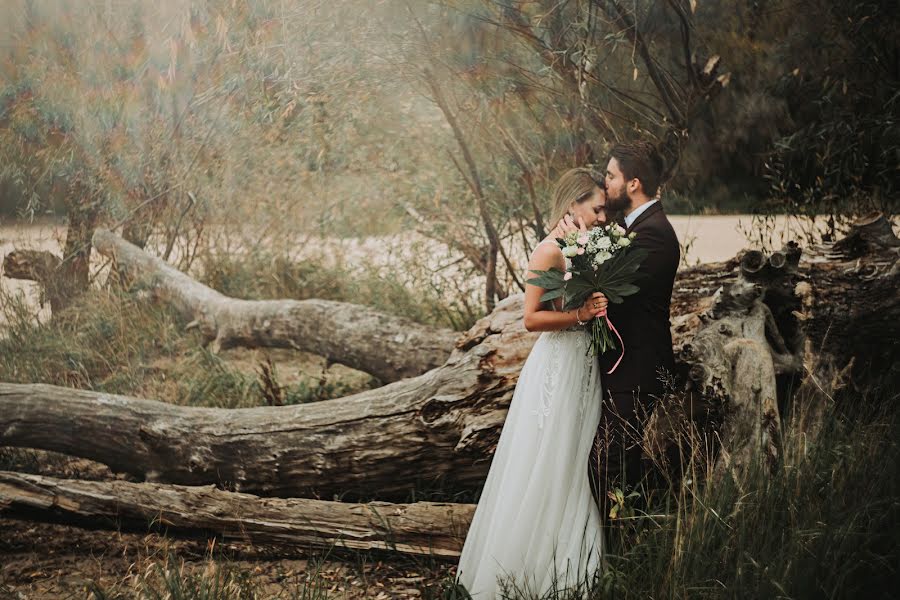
575, 185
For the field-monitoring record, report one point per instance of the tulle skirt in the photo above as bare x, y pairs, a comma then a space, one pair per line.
536, 528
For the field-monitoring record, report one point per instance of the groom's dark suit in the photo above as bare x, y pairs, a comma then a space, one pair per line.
643, 322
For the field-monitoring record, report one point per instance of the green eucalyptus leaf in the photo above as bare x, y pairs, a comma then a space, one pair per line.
553, 294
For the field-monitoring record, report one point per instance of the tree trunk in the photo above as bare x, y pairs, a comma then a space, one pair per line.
441, 425
775, 317
423, 528
74, 273
40, 266
61, 279
446, 423
388, 347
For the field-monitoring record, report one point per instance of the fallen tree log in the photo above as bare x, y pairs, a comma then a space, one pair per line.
445, 423
844, 294
776, 317
31, 265
743, 341
422, 528
442, 425
42, 267
389, 347
61, 279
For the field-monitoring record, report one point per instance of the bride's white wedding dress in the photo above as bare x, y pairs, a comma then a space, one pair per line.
536, 526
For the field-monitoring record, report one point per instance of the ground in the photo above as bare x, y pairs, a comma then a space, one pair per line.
43, 561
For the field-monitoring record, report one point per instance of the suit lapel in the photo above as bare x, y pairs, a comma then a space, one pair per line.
643, 216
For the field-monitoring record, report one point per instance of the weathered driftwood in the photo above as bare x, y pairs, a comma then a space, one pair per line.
422, 528
31, 265
735, 355
61, 279
445, 423
776, 316
39, 266
843, 294
387, 346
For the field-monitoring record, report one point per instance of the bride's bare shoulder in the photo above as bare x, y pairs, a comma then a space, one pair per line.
546, 254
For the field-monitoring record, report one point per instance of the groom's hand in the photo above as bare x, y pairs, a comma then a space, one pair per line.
568, 225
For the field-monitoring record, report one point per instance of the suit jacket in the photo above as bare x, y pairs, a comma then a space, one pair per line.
643, 318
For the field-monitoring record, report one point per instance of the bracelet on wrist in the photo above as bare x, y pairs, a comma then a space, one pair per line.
578, 316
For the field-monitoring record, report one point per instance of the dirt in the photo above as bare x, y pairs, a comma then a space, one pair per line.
41, 560
44, 560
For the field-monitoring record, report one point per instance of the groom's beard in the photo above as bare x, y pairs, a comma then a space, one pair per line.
619, 203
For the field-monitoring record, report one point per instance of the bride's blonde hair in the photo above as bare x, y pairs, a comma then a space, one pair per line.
574, 186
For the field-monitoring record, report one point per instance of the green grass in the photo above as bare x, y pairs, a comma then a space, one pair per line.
824, 525
114, 342
259, 275
104, 342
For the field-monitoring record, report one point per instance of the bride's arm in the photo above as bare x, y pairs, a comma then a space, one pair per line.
540, 316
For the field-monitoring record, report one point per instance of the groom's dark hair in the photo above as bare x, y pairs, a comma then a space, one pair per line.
639, 160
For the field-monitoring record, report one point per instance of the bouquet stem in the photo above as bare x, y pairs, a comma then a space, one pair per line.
601, 338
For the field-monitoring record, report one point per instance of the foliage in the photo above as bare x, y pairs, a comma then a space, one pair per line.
403, 286
843, 154
117, 343
186, 124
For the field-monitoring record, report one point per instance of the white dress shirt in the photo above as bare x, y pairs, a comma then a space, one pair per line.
633, 215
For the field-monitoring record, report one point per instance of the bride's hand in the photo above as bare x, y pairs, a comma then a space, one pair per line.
596, 304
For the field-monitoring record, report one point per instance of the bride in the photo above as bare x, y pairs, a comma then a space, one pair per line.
537, 528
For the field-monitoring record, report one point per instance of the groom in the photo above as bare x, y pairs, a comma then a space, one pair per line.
632, 178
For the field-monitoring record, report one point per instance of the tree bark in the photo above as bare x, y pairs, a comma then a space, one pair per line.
850, 304
39, 266
778, 317
422, 528
442, 425
445, 423
74, 272
389, 347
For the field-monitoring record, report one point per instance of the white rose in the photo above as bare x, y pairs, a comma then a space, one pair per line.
624, 242
570, 251
604, 243
620, 230
602, 257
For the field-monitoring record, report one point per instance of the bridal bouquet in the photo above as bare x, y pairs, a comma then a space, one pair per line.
600, 260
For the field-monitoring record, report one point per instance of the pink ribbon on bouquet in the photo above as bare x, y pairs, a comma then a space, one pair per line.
615, 331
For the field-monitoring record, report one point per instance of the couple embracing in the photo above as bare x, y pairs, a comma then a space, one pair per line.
574, 424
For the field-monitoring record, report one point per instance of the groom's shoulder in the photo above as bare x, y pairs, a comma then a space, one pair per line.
656, 232
660, 219
655, 220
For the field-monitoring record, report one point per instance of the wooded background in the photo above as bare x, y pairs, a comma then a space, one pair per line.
452, 117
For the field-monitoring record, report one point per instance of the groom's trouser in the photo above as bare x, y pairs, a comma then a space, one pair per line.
616, 456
